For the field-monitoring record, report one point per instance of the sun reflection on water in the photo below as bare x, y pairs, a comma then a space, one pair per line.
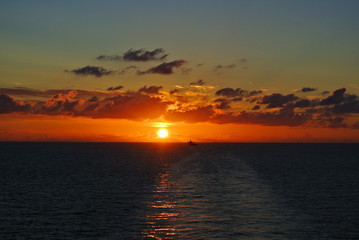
163, 210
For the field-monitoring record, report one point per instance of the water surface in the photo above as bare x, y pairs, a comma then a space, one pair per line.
176, 191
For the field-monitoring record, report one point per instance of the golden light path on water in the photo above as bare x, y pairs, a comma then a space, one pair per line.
163, 210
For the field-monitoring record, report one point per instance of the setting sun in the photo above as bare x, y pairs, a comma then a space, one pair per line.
162, 133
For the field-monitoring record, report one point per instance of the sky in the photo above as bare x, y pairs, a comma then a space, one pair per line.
210, 71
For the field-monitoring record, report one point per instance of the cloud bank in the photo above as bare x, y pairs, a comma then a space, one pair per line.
227, 105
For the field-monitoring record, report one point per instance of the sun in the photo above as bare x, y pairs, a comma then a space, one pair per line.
162, 133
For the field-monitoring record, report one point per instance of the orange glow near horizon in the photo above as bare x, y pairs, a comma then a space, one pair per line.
28, 127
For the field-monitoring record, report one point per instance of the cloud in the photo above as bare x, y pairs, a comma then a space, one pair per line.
200, 114
355, 125
307, 89
302, 103
60, 104
200, 82
165, 68
173, 91
144, 56
91, 107
350, 104
9, 105
222, 67
256, 107
277, 100
92, 71
135, 107
131, 105
223, 105
220, 100
336, 97
187, 106
109, 58
93, 99
237, 99
140, 55
337, 122
48, 93
186, 70
325, 92
150, 89
255, 92
285, 117
230, 92
114, 88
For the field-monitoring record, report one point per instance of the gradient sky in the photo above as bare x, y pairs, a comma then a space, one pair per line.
288, 51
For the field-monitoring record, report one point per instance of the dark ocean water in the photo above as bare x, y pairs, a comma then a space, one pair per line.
176, 191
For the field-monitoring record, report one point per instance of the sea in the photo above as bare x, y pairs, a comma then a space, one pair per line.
177, 191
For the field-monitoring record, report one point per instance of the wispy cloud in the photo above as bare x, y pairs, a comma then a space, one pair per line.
199, 82
114, 88
306, 89
223, 67
238, 92
91, 71
165, 68
140, 55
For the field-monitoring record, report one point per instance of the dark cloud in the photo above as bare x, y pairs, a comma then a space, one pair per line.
277, 100
336, 97
325, 92
8, 105
337, 122
144, 56
256, 107
307, 89
237, 99
93, 99
255, 92
350, 104
200, 82
221, 67
285, 117
223, 105
92, 71
173, 91
60, 104
140, 55
91, 107
109, 58
302, 103
230, 92
355, 125
165, 68
150, 89
220, 100
114, 88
